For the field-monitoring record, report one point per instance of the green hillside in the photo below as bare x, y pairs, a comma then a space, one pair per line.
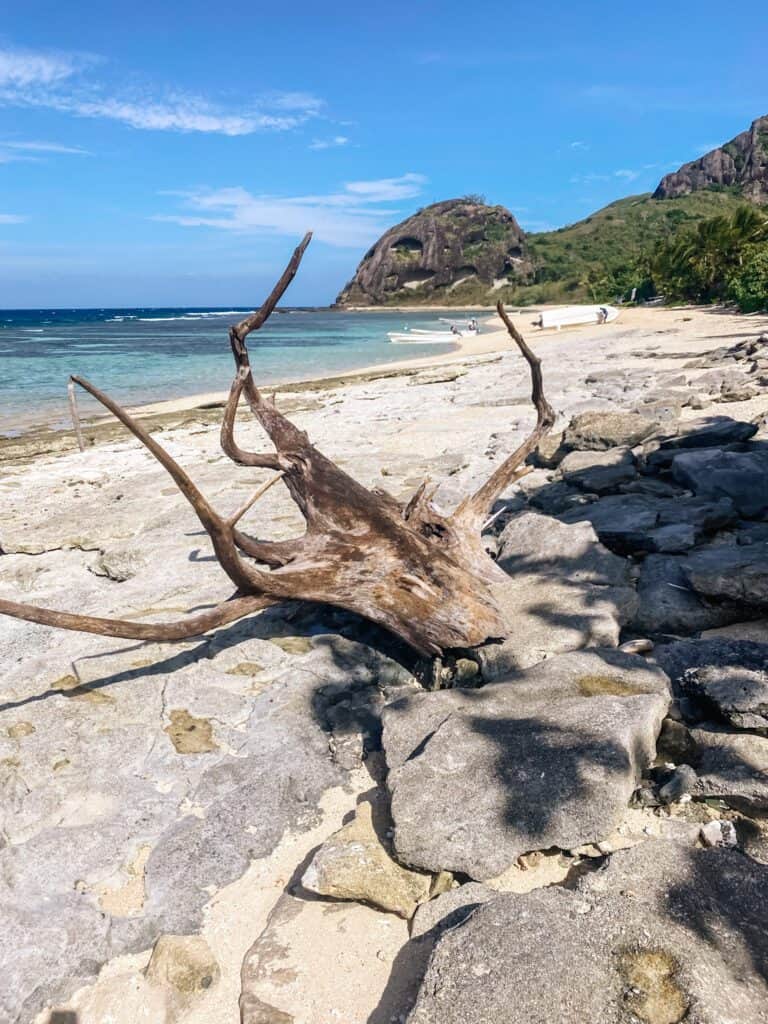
597, 257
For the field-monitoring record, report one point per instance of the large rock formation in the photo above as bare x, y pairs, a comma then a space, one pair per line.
436, 250
741, 163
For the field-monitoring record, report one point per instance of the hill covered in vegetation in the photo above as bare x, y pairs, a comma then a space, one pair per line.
601, 256
464, 252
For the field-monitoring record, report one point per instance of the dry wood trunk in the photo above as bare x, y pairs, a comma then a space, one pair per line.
420, 573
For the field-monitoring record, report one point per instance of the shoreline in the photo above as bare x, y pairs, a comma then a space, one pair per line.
40, 439
204, 408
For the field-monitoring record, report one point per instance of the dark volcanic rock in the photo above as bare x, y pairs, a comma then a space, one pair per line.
627, 523
734, 573
730, 676
548, 757
713, 473
741, 163
710, 432
435, 249
667, 604
662, 934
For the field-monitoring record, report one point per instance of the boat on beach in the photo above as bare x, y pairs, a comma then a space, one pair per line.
572, 316
420, 336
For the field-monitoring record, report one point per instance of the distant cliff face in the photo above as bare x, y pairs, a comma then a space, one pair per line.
431, 254
741, 163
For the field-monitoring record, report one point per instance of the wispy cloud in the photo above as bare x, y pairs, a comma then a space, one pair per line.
33, 152
23, 68
42, 147
53, 81
578, 145
627, 174
624, 173
11, 218
333, 143
352, 216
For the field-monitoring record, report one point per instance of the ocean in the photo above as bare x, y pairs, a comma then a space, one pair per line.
148, 355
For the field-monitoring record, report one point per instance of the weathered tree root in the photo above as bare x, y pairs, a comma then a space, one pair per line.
421, 574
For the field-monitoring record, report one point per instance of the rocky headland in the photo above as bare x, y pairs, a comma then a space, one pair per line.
295, 821
740, 165
429, 256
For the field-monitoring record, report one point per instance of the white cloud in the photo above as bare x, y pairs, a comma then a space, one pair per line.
42, 147
332, 143
353, 216
301, 101
43, 80
11, 218
627, 174
384, 190
20, 68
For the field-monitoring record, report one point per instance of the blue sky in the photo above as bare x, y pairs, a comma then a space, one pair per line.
172, 153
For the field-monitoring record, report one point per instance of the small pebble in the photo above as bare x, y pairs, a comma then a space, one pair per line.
719, 833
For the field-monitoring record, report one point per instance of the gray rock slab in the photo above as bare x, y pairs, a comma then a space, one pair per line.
450, 909
551, 614
625, 522
548, 758
541, 544
731, 676
733, 767
737, 573
598, 471
667, 604
91, 778
740, 476
661, 935
597, 431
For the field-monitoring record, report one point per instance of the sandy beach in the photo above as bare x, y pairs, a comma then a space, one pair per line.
691, 324
161, 787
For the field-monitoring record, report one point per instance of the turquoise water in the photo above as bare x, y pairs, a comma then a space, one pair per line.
148, 355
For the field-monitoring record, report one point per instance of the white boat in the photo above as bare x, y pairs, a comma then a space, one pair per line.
417, 336
445, 334
571, 316
424, 338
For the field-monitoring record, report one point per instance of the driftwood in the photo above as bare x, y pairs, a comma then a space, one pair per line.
420, 573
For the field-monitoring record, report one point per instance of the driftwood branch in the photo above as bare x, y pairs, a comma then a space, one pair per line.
419, 572
476, 508
75, 414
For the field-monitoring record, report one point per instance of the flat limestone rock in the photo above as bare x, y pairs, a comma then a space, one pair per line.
355, 864
596, 431
599, 471
729, 675
733, 767
548, 758
450, 909
547, 614
536, 543
661, 935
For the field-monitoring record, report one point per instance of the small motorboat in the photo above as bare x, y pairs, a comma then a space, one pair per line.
423, 337
572, 316
420, 335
